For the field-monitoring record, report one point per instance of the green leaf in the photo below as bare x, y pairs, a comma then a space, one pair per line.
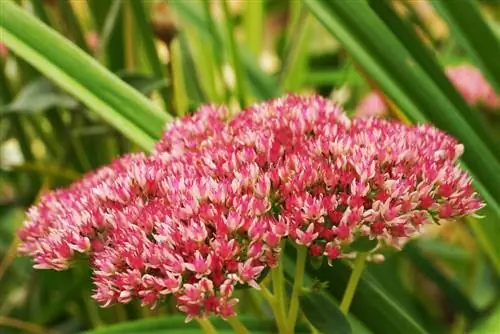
147, 40
373, 310
371, 305
425, 58
447, 286
70, 22
474, 34
40, 11
205, 65
234, 55
115, 101
108, 25
108, 16
323, 314
176, 324
295, 62
181, 100
262, 86
37, 96
253, 21
143, 83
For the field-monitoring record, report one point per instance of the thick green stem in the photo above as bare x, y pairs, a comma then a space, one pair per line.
238, 326
359, 265
206, 325
297, 286
271, 300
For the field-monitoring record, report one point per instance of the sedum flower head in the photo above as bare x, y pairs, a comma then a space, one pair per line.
208, 210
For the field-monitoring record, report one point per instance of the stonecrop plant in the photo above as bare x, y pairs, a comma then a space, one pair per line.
211, 209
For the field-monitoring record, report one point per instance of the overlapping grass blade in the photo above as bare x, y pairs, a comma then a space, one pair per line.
425, 58
79, 74
404, 80
474, 34
260, 85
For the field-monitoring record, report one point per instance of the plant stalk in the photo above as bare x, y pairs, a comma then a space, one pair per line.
238, 326
297, 286
206, 325
279, 295
359, 265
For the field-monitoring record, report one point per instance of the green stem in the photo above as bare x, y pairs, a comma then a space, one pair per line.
311, 327
359, 265
271, 300
278, 289
238, 326
92, 312
206, 325
297, 286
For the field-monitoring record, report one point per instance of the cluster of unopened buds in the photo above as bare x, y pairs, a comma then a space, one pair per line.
209, 210
467, 80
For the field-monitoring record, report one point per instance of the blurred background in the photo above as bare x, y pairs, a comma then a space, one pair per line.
415, 61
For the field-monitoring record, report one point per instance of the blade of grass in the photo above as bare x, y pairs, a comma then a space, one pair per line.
339, 28
234, 55
40, 11
429, 63
147, 40
70, 21
296, 51
253, 21
48, 140
180, 95
129, 40
404, 80
108, 26
115, 50
260, 85
16, 126
191, 78
448, 287
177, 324
212, 35
205, 64
484, 239
474, 34
119, 104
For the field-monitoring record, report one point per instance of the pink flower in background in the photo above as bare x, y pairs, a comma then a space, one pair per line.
473, 86
4, 52
468, 81
92, 39
209, 208
372, 105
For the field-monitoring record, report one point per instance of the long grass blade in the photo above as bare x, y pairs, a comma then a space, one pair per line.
147, 40
119, 104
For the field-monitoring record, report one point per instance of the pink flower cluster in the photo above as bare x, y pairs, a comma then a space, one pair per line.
209, 209
468, 81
